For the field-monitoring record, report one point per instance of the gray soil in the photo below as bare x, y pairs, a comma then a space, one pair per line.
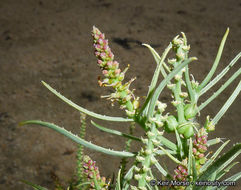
51, 41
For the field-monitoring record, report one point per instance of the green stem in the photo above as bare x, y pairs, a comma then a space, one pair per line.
191, 92
164, 83
180, 109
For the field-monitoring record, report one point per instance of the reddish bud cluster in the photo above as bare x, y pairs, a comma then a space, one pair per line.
113, 75
200, 146
180, 173
91, 170
110, 68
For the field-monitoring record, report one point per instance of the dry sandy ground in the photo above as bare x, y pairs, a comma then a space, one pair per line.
51, 41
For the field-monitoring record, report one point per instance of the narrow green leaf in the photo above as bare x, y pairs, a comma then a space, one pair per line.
159, 60
160, 152
169, 155
169, 144
194, 169
190, 157
220, 90
164, 83
179, 144
216, 62
226, 170
87, 112
36, 187
227, 104
222, 162
231, 179
159, 167
215, 155
213, 141
191, 92
118, 182
152, 176
220, 75
148, 186
127, 178
115, 132
212, 178
77, 139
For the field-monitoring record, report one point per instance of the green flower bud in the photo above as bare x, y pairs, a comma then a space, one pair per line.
209, 125
190, 110
171, 124
137, 176
148, 151
172, 61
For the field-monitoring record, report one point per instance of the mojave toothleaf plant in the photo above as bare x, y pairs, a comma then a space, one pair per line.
189, 151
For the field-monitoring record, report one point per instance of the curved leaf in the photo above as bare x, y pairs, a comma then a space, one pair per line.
36, 187
87, 112
115, 132
78, 140
216, 62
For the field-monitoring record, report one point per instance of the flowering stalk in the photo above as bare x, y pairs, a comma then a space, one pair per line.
200, 147
113, 75
80, 152
92, 174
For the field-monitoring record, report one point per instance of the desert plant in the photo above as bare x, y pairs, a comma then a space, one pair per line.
195, 169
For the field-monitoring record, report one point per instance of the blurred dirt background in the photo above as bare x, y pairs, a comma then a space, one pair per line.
51, 41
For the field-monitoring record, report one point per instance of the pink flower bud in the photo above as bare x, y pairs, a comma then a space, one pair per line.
176, 171
105, 72
97, 53
179, 177
201, 155
91, 167
205, 141
194, 150
103, 179
105, 42
99, 62
98, 176
109, 63
102, 36
96, 37
100, 41
106, 48
111, 55
103, 55
199, 139
97, 47
180, 168
117, 71
91, 175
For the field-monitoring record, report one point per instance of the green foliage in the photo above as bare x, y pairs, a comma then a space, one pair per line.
190, 149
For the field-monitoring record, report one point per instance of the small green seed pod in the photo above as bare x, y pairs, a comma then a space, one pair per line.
182, 128
190, 110
171, 124
189, 132
186, 129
